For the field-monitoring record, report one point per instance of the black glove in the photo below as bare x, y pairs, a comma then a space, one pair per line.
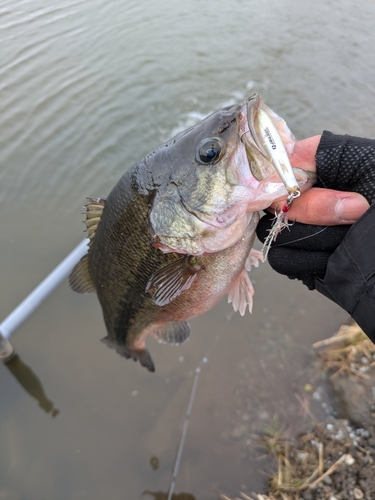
343, 163
302, 251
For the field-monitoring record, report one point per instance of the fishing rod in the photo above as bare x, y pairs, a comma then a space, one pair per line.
36, 297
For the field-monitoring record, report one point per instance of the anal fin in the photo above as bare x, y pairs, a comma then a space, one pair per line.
173, 333
241, 293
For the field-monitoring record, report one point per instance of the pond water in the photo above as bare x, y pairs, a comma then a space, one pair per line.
87, 89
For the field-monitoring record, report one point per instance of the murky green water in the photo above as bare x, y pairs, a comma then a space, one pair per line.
88, 88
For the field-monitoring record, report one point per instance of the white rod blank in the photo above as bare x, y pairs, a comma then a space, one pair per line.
41, 292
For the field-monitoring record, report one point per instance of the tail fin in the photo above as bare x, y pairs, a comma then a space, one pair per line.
143, 355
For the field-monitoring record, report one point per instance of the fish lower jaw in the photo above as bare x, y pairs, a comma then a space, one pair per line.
273, 190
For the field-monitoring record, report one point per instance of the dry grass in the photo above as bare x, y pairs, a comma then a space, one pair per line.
256, 497
345, 351
259, 497
297, 469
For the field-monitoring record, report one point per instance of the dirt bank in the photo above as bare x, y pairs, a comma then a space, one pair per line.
334, 459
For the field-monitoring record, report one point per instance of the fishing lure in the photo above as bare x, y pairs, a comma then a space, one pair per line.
274, 147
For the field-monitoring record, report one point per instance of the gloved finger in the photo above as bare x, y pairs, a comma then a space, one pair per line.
299, 264
346, 163
303, 236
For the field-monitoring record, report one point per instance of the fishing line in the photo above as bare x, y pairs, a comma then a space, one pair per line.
187, 417
184, 432
300, 239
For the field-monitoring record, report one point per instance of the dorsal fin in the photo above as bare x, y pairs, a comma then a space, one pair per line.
94, 210
80, 279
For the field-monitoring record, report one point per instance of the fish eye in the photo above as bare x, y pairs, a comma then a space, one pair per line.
210, 151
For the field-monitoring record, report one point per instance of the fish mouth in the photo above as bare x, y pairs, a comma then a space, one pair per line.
260, 162
268, 142
257, 157
253, 104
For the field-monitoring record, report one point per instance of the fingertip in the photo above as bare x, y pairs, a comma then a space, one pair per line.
327, 207
351, 208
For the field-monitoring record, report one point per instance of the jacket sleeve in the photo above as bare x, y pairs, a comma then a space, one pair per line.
350, 276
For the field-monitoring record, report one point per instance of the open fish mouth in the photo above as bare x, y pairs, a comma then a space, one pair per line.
258, 159
271, 138
253, 104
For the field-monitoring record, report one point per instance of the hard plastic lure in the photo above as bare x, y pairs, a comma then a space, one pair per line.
273, 146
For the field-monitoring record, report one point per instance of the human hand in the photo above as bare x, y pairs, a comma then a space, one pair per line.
318, 205
323, 215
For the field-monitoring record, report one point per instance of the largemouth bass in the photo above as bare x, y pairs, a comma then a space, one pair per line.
176, 232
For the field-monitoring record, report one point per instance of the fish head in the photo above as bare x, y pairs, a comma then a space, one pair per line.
210, 179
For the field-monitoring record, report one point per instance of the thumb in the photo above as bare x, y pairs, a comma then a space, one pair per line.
327, 207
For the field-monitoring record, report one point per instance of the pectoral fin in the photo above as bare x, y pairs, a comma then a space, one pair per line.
173, 333
172, 280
